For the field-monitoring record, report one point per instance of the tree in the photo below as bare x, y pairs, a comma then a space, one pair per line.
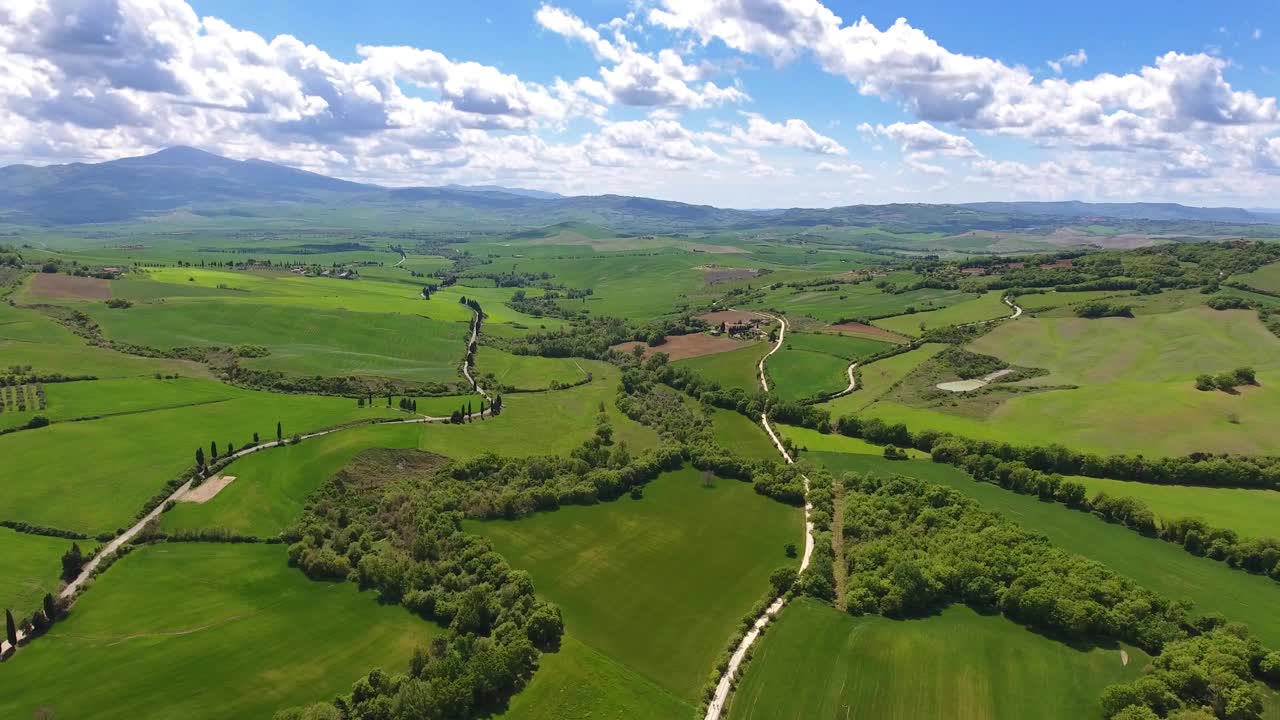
72, 562
199, 457
1205, 381
255, 438
481, 408
790, 550
213, 451
231, 449
1245, 376
468, 409
360, 402
11, 628
279, 434
782, 579
50, 607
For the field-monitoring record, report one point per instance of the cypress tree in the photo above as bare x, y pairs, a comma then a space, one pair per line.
199, 457
11, 628
213, 451
50, 607
279, 434
255, 438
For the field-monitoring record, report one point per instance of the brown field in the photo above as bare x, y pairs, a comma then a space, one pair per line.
57, 285
683, 347
732, 316
870, 331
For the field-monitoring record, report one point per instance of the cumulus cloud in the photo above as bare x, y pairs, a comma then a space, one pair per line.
793, 133
923, 139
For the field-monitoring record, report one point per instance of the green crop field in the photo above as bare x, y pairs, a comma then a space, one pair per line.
1251, 513
208, 631
271, 487
116, 463
696, 557
527, 372
1148, 362
733, 369
29, 566
816, 662
987, 306
1166, 568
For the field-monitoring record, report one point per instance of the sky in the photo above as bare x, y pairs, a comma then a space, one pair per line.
735, 103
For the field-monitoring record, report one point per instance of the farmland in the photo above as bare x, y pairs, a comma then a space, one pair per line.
813, 364
1251, 513
988, 306
610, 566
733, 369
29, 566
817, 662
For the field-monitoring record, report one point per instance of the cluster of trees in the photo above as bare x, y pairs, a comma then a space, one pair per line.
50, 611
390, 521
1195, 469
967, 364
914, 547
594, 337
545, 305
1227, 381
1228, 302
1206, 676
30, 529
1098, 309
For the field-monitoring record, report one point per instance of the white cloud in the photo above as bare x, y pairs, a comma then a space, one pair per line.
1075, 60
923, 139
569, 25
793, 133
1257, 34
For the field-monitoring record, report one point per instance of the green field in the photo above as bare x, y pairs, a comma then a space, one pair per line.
271, 487
29, 566
987, 306
93, 476
738, 434
879, 378
733, 369
813, 364
527, 372
814, 441
208, 631
1036, 302
863, 300
103, 398
658, 584
1251, 513
1163, 567
1149, 362
816, 662
1266, 278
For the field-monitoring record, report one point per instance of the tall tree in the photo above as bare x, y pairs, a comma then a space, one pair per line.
200, 457
279, 434
255, 438
11, 628
213, 451
50, 607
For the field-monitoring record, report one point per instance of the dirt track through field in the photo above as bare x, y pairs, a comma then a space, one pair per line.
718, 699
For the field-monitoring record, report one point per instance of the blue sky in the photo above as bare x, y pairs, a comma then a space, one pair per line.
748, 103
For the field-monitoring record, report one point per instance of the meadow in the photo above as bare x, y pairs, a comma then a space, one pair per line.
987, 306
1128, 368
103, 398
879, 378
656, 584
863, 300
29, 566
733, 369
816, 662
1265, 278
208, 631
811, 365
527, 372
92, 476
1251, 513
271, 487
1163, 567
738, 434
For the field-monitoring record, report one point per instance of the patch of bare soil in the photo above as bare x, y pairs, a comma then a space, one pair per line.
1124, 658
714, 274
683, 347
59, 285
731, 317
864, 330
205, 491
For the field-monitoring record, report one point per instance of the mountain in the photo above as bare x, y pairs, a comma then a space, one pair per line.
522, 192
207, 185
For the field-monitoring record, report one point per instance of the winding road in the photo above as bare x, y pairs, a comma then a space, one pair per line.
725, 686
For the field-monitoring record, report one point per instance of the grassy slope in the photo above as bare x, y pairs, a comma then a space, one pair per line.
29, 566
208, 631
527, 372
879, 377
1252, 513
93, 476
733, 369
985, 307
657, 584
271, 486
820, 663
100, 398
1160, 566
1148, 362
1266, 277
813, 364
855, 301
740, 435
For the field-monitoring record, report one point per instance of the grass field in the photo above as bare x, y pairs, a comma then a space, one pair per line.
271, 487
93, 476
29, 566
1147, 362
738, 434
657, 584
1251, 513
816, 662
814, 441
1163, 567
1036, 302
208, 631
855, 301
733, 369
815, 364
527, 372
879, 377
1266, 278
549, 423
987, 306
578, 683
102, 398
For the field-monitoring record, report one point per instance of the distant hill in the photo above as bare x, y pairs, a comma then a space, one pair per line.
212, 186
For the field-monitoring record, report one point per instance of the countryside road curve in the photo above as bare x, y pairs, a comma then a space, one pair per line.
716, 706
